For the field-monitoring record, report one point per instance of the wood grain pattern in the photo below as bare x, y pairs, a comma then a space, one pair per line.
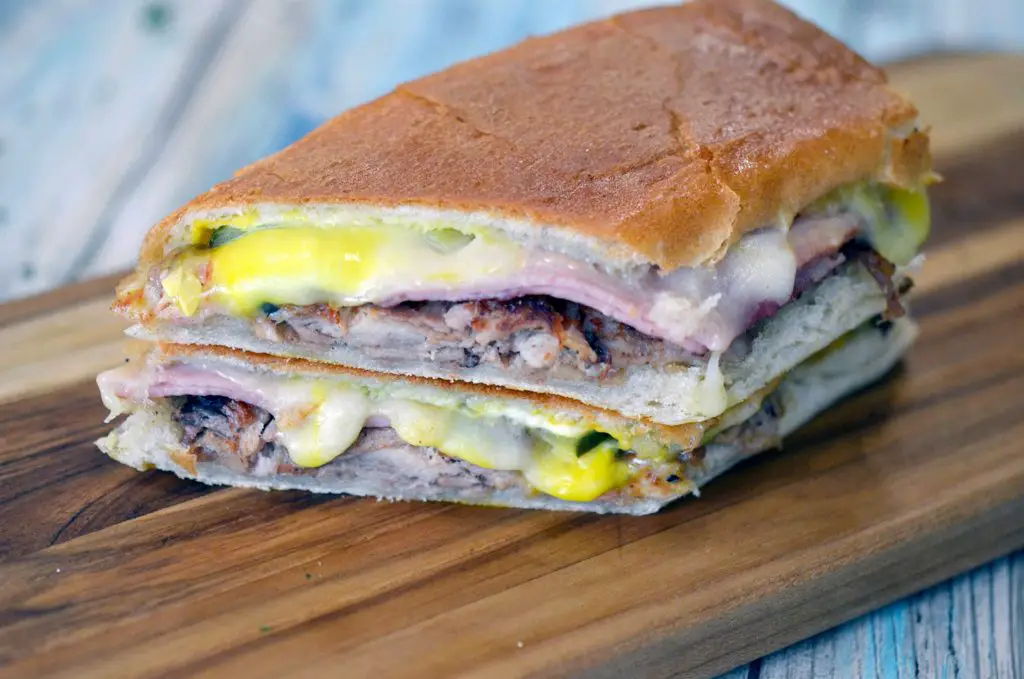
107, 572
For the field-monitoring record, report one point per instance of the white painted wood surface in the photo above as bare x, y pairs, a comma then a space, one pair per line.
113, 112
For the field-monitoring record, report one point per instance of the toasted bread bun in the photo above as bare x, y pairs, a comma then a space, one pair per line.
655, 137
150, 438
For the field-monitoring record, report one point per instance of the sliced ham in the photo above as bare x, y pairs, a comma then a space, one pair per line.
698, 309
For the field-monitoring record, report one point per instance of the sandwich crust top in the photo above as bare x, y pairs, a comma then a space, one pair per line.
658, 136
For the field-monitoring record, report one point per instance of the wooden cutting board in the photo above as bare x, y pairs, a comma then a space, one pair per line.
108, 572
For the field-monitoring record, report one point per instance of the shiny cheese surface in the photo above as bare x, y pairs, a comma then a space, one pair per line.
294, 266
329, 424
346, 266
324, 421
559, 471
550, 462
183, 286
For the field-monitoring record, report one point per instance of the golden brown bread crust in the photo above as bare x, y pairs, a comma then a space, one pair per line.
669, 131
687, 436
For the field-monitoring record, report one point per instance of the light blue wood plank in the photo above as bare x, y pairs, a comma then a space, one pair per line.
970, 626
86, 91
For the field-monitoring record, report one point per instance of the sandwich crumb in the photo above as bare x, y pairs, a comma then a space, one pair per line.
519, 644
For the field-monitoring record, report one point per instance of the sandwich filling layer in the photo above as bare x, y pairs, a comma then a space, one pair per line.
572, 456
262, 425
521, 337
241, 267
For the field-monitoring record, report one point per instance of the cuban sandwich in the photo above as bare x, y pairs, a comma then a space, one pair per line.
591, 271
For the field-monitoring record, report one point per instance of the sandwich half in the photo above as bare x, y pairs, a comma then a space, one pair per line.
227, 417
661, 214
